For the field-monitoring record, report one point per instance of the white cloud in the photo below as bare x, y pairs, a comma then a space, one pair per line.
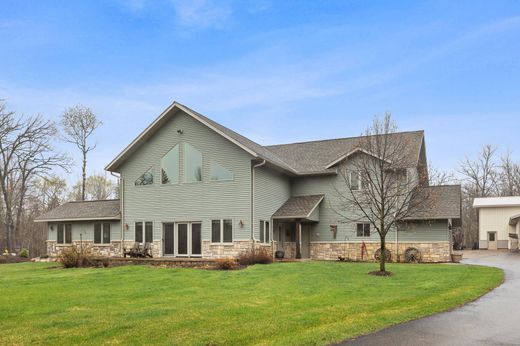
202, 14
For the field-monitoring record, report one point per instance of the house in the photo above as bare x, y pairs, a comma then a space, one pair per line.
193, 188
498, 222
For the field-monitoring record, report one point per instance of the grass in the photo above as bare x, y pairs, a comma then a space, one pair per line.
280, 304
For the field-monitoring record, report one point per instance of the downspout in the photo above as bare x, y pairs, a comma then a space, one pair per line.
253, 200
121, 198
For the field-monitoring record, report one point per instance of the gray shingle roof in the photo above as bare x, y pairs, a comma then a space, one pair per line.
298, 207
87, 210
437, 202
308, 157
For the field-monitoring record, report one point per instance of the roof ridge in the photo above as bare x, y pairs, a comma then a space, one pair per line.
335, 139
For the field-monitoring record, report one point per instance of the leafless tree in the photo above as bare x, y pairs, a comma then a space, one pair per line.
97, 186
375, 183
79, 123
439, 177
26, 152
509, 176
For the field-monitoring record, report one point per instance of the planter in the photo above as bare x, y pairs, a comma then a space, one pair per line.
456, 257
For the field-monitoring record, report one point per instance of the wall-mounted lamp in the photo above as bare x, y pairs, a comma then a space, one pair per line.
180, 132
126, 226
52, 228
241, 223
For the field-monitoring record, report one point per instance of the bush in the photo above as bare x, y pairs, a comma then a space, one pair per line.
255, 256
24, 253
71, 257
226, 263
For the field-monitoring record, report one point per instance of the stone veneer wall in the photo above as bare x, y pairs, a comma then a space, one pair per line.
112, 249
430, 252
211, 250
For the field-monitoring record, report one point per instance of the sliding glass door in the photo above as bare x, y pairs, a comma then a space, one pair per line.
182, 239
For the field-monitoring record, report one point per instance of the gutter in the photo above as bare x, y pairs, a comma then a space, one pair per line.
253, 199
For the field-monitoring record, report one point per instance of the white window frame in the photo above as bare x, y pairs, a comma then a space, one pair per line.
211, 172
64, 224
265, 230
103, 232
360, 181
369, 229
144, 230
150, 169
221, 239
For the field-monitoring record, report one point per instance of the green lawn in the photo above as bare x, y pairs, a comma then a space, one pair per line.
279, 304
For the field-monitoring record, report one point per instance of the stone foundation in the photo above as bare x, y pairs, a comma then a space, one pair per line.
211, 250
430, 252
105, 250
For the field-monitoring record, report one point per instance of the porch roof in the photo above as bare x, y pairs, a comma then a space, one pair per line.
514, 220
298, 207
83, 211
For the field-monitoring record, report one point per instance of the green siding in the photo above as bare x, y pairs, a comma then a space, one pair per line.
272, 189
84, 230
200, 201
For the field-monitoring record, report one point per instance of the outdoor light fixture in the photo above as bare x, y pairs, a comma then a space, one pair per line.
126, 226
241, 223
180, 132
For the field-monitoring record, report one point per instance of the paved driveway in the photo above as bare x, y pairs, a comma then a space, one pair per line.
493, 319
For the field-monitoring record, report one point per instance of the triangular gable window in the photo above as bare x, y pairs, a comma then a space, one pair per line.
218, 172
146, 178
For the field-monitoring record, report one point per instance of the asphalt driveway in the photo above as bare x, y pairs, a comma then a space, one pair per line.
494, 319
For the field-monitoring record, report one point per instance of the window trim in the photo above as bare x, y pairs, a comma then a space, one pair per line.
363, 224
221, 237
361, 186
150, 169
184, 165
265, 238
178, 165
211, 175
103, 233
143, 223
64, 230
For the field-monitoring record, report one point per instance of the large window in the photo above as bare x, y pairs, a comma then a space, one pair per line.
64, 233
146, 178
218, 172
170, 166
221, 231
102, 233
192, 164
264, 231
148, 232
363, 230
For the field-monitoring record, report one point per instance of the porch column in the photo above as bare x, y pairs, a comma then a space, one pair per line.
298, 238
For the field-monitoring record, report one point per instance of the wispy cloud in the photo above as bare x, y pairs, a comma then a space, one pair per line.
202, 14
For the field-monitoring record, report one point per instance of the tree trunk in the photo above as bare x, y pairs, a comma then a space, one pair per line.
382, 260
84, 175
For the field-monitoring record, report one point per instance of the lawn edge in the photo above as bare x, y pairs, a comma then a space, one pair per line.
436, 313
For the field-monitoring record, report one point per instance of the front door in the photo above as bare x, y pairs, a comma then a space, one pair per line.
492, 240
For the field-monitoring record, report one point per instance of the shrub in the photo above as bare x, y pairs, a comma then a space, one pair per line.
71, 257
226, 263
24, 253
255, 256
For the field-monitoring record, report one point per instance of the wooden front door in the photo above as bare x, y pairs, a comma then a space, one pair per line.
492, 240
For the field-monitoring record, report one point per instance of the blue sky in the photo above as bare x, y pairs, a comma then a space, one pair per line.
275, 71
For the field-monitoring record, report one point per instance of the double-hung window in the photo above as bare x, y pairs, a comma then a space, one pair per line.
356, 181
102, 233
363, 230
264, 231
221, 231
147, 235
64, 233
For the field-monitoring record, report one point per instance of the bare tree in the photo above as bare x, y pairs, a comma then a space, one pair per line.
376, 182
26, 152
97, 186
79, 123
509, 176
439, 177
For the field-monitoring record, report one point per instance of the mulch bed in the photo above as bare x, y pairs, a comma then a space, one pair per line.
380, 273
12, 259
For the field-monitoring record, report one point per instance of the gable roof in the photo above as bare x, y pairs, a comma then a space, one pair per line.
298, 207
441, 202
109, 209
255, 149
305, 158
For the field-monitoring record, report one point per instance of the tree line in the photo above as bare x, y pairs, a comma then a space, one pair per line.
30, 156
488, 174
